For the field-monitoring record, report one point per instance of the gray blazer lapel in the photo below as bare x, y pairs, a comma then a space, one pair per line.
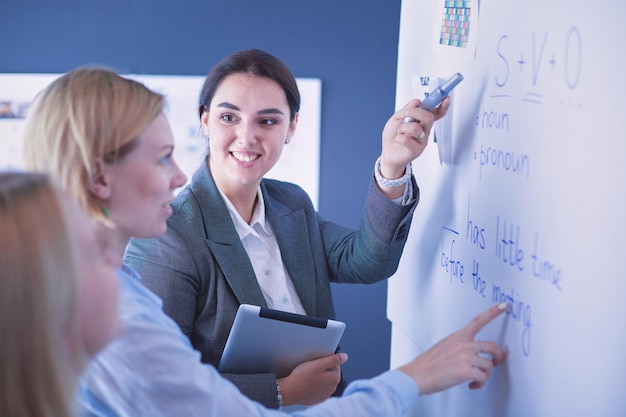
223, 241
290, 228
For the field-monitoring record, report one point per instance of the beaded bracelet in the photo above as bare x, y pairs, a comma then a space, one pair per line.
279, 396
391, 183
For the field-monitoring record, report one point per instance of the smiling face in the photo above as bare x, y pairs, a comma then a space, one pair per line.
247, 122
140, 187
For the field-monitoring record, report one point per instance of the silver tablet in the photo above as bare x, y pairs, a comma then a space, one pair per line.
263, 340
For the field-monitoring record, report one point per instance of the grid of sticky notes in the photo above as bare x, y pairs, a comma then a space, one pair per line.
455, 25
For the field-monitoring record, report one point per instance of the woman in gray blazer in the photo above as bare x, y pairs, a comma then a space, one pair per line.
236, 237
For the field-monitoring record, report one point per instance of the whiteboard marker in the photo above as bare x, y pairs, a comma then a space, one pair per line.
436, 97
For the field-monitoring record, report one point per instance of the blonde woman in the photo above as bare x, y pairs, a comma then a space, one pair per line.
58, 297
106, 140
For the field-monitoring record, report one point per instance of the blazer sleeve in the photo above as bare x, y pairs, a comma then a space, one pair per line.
371, 253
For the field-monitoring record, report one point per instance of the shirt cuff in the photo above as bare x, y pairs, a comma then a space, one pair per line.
404, 385
407, 197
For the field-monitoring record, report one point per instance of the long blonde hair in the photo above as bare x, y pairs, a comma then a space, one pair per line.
38, 290
87, 113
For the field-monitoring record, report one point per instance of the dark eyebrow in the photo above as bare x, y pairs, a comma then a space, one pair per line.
271, 111
228, 106
233, 107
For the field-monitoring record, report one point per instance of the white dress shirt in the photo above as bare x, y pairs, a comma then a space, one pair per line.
260, 244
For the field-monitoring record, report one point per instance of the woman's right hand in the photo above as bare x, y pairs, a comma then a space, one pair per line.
458, 358
313, 381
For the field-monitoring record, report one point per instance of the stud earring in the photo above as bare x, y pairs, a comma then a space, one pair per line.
287, 140
206, 133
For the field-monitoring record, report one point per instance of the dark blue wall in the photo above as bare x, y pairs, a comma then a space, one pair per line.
351, 45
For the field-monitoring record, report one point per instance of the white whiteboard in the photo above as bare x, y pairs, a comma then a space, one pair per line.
529, 206
298, 164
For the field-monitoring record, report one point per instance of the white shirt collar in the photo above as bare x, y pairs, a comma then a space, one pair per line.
257, 223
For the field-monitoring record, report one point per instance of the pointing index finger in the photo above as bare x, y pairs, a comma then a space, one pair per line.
483, 318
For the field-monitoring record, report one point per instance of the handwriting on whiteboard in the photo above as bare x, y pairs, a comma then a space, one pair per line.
517, 251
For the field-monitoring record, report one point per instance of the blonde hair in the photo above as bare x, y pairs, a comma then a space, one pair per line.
38, 290
89, 112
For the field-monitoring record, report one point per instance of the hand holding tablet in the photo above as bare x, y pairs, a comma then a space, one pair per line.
264, 340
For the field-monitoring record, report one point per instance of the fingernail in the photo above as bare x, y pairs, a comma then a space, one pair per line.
502, 306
